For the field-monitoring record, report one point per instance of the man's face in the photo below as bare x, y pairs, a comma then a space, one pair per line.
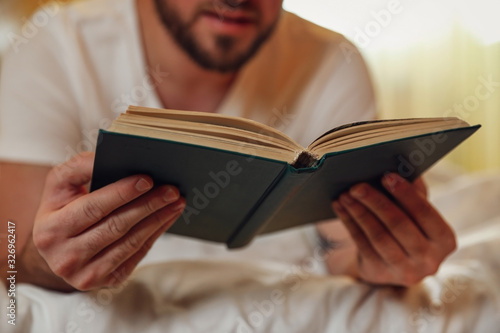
220, 35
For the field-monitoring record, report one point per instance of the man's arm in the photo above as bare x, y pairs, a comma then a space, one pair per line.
84, 240
21, 187
394, 242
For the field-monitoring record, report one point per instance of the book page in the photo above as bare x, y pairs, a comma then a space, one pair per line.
366, 126
205, 129
381, 131
214, 119
209, 141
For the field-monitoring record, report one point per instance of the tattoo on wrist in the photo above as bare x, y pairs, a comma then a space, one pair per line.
327, 244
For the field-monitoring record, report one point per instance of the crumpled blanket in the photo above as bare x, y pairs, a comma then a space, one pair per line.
188, 286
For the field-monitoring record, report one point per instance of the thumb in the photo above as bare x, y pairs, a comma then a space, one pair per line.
66, 181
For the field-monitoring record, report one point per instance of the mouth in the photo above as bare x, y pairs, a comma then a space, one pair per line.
229, 21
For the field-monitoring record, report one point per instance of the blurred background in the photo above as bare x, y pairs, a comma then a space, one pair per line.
427, 58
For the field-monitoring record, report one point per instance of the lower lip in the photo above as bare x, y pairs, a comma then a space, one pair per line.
226, 26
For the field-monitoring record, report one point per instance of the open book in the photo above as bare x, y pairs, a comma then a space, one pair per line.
241, 178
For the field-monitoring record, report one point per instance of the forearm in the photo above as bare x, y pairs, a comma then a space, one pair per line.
20, 192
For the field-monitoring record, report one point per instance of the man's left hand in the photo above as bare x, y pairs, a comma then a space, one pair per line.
399, 241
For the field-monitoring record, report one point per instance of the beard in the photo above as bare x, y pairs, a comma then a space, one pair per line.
226, 58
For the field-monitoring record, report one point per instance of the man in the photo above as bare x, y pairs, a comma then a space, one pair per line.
245, 58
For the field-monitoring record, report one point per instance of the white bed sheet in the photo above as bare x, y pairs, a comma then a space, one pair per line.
288, 292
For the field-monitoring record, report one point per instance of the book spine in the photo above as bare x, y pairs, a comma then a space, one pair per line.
281, 190
305, 159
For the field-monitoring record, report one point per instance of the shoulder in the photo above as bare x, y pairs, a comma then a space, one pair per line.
302, 29
303, 33
298, 42
82, 11
303, 49
336, 87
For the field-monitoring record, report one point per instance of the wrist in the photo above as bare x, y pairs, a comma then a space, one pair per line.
341, 252
33, 269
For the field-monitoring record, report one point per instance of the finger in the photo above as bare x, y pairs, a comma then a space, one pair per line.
133, 242
120, 274
418, 207
379, 237
420, 186
396, 221
84, 212
363, 245
118, 223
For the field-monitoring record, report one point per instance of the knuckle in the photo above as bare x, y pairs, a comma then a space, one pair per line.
448, 241
44, 240
430, 267
148, 244
117, 278
160, 217
416, 273
411, 279
87, 281
130, 246
133, 244
116, 258
150, 207
66, 266
433, 269
411, 276
95, 240
112, 282
124, 196
452, 244
93, 211
116, 226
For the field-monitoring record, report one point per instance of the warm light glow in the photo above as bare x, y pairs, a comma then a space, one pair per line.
481, 17
426, 57
372, 23
7, 27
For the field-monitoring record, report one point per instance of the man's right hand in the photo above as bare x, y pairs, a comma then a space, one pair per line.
96, 239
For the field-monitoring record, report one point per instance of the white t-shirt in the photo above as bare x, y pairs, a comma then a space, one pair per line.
87, 65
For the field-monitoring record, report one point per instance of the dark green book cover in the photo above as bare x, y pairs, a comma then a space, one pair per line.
233, 197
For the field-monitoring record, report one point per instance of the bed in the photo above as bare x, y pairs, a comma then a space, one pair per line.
188, 286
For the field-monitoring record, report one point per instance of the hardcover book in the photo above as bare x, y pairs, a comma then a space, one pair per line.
241, 178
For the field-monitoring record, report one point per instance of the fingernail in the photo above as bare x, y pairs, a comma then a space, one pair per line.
170, 194
391, 180
346, 199
178, 206
143, 185
358, 191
